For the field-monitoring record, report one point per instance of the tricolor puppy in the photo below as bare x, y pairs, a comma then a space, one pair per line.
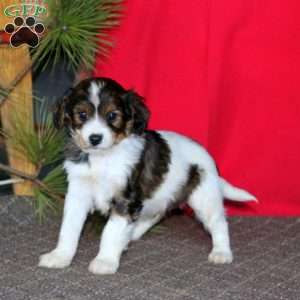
131, 174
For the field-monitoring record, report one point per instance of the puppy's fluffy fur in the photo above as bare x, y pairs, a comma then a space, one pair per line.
131, 174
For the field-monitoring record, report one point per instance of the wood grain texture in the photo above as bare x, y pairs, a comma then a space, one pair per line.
12, 62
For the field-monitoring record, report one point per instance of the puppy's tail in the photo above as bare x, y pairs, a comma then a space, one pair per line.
233, 193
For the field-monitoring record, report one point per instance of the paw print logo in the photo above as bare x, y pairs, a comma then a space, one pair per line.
24, 31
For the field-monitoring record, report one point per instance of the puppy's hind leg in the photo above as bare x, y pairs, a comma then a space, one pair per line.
207, 202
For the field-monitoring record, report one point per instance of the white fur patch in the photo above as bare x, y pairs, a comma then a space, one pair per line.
107, 171
115, 238
95, 90
184, 152
98, 126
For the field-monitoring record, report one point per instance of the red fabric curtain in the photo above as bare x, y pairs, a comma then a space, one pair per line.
224, 72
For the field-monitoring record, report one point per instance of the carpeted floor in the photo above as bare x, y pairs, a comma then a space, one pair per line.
171, 264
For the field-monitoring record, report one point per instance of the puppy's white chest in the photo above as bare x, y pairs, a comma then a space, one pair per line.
106, 176
102, 178
109, 173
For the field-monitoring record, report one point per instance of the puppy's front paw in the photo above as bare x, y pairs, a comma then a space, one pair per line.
220, 257
102, 266
54, 259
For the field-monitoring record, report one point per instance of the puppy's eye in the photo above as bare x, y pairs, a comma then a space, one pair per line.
82, 116
111, 116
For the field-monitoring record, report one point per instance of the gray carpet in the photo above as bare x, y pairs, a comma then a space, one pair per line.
171, 264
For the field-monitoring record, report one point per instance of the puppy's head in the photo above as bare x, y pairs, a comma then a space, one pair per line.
99, 113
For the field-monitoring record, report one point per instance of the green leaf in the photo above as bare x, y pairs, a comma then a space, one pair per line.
42, 145
75, 32
56, 180
43, 204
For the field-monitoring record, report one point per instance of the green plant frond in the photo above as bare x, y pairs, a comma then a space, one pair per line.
56, 180
74, 31
43, 204
158, 228
41, 145
3, 93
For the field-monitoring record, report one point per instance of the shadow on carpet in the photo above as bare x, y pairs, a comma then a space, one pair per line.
171, 264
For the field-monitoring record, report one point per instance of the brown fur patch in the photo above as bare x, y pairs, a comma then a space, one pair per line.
85, 107
112, 105
195, 175
79, 141
146, 177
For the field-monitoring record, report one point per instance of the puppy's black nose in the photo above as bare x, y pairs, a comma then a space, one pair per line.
95, 139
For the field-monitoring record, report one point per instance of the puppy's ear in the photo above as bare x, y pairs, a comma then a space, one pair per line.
138, 111
59, 112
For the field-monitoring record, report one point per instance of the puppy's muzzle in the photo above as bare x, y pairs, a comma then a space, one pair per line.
95, 139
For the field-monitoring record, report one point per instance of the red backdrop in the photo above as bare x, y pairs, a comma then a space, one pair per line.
224, 72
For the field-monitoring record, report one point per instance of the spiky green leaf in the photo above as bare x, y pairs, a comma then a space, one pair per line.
76, 31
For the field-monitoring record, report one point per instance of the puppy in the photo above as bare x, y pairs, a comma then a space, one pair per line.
131, 174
